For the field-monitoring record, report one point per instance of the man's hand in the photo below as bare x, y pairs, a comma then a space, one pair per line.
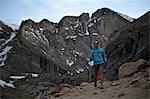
91, 63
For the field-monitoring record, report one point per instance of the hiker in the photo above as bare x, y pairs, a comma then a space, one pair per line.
43, 64
98, 56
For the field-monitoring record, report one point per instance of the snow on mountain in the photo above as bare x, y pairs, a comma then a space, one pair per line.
70, 63
3, 84
71, 37
4, 51
1, 28
79, 70
17, 77
34, 75
95, 33
104, 37
87, 32
3, 55
13, 34
13, 26
126, 17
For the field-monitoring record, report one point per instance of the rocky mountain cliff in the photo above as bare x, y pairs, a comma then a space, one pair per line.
129, 44
65, 46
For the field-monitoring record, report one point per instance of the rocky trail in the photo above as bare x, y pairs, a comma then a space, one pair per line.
133, 87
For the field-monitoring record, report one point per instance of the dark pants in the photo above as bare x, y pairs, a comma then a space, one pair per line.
98, 69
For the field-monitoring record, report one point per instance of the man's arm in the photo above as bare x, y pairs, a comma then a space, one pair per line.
104, 58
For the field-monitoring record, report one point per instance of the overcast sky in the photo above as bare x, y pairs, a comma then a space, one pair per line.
15, 11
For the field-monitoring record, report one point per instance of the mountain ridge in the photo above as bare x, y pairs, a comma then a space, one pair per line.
65, 45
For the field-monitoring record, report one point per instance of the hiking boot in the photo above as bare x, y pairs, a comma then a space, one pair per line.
100, 87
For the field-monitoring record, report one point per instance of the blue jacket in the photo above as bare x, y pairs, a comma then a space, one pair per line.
98, 56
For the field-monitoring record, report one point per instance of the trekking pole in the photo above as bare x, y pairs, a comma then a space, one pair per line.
90, 60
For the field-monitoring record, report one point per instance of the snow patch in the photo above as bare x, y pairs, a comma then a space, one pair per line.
126, 17
90, 25
63, 49
41, 29
34, 75
104, 37
13, 34
92, 19
69, 63
3, 84
1, 28
4, 53
87, 32
96, 34
17, 77
45, 39
33, 43
66, 28
13, 26
70, 73
44, 52
71, 37
79, 70
81, 34
59, 74
99, 19
56, 30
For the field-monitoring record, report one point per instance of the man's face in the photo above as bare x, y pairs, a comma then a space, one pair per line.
96, 45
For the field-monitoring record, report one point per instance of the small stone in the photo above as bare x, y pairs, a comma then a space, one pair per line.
58, 94
121, 94
135, 83
115, 84
126, 86
95, 93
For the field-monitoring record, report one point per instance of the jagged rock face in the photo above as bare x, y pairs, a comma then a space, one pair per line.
4, 32
65, 45
104, 22
60, 43
5, 37
107, 21
132, 44
31, 43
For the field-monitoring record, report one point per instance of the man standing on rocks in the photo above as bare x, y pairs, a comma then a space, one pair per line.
99, 59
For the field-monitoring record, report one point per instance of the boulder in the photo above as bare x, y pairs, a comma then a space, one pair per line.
128, 69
